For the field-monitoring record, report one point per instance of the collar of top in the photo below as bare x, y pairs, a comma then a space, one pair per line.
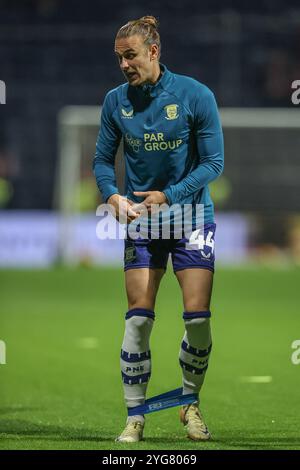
158, 87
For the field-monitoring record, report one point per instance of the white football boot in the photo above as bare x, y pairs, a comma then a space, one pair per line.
196, 428
133, 431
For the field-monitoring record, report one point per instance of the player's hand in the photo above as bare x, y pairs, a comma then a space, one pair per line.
151, 197
123, 208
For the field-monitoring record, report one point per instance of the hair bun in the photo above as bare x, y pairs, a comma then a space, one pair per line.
150, 20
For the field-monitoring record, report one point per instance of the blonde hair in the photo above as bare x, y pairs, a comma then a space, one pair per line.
146, 26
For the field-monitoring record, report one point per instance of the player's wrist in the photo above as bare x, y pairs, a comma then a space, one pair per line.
163, 197
167, 201
113, 198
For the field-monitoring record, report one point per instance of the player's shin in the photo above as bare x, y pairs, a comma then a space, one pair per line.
195, 350
136, 356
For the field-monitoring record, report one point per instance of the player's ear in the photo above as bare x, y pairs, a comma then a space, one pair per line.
153, 51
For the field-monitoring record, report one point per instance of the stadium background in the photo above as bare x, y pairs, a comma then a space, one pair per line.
62, 315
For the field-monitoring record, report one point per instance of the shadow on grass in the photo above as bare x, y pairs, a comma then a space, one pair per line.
28, 430
17, 409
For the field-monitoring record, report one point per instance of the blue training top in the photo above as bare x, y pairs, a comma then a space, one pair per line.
172, 136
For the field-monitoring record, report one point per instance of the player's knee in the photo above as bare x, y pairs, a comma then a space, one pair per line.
145, 303
193, 305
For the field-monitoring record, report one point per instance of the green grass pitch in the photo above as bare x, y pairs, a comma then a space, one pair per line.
61, 386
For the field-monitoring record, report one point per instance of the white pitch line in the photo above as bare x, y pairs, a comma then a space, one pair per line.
257, 379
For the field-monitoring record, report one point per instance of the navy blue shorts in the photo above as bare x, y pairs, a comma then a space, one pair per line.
196, 252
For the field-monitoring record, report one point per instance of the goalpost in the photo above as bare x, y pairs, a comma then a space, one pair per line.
76, 196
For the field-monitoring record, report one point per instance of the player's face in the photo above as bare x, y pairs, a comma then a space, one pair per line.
136, 59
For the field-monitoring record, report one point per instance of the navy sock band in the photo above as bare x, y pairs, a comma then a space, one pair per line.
192, 315
196, 351
140, 312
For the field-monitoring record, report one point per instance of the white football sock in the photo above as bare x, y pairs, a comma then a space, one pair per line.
195, 350
136, 356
